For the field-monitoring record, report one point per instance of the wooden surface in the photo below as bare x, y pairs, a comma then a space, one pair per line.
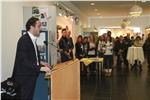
65, 81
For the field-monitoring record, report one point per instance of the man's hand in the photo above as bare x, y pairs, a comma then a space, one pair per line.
45, 64
46, 67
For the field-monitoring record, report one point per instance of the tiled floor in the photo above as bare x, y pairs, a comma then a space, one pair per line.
122, 85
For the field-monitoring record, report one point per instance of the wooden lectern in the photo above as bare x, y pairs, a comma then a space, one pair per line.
65, 81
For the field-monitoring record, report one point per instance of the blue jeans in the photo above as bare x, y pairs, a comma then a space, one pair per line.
108, 61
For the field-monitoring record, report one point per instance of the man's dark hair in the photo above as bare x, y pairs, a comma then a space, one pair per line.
63, 30
31, 22
109, 32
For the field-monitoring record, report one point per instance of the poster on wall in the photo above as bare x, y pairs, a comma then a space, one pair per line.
42, 14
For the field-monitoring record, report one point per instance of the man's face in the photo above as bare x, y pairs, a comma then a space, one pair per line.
121, 38
64, 33
37, 28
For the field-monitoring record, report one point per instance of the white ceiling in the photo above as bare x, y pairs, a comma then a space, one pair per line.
110, 8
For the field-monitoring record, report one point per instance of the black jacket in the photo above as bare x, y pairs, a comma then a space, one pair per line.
79, 50
146, 46
25, 61
26, 69
65, 49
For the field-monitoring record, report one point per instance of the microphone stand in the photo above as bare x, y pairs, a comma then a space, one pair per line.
47, 75
52, 44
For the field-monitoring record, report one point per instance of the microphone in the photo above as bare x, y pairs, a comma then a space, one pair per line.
51, 43
45, 42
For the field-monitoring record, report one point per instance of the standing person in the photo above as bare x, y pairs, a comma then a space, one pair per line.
109, 33
127, 44
79, 48
27, 62
146, 48
92, 53
100, 46
70, 43
85, 46
80, 53
132, 40
108, 56
119, 48
65, 54
138, 42
92, 46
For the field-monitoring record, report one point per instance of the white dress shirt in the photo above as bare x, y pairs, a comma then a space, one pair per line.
34, 39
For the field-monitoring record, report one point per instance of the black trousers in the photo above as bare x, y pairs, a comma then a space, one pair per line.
148, 60
108, 61
27, 83
92, 66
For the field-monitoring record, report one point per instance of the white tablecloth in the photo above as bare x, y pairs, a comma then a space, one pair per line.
135, 53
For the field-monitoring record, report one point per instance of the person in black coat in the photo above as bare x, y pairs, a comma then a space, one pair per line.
27, 62
70, 43
63, 45
79, 48
85, 47
146, 48
80, 54
119, 49
127, 44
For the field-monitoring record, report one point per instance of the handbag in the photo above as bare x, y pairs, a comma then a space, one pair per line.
10, 90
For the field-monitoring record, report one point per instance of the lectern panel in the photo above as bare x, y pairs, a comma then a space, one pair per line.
65, 81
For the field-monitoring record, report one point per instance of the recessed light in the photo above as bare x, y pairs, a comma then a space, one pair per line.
60, 14
95, 9
143, 0
92, 3
98, 14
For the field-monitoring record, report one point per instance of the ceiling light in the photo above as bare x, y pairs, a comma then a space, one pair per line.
98, 14
92, 3
95, 9
143, 1
136, 10
125, 22
60, 14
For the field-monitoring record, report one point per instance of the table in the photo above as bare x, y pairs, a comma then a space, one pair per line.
88, 61
135, 53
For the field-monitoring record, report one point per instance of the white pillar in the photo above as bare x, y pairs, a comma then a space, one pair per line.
52, 51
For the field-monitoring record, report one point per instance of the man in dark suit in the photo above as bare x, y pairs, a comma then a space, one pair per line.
27, 63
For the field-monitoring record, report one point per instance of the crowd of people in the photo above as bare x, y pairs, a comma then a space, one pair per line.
103, 46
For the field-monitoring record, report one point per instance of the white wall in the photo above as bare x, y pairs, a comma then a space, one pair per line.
11, 27
62, 21
12, 24
52, 35
0, 42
